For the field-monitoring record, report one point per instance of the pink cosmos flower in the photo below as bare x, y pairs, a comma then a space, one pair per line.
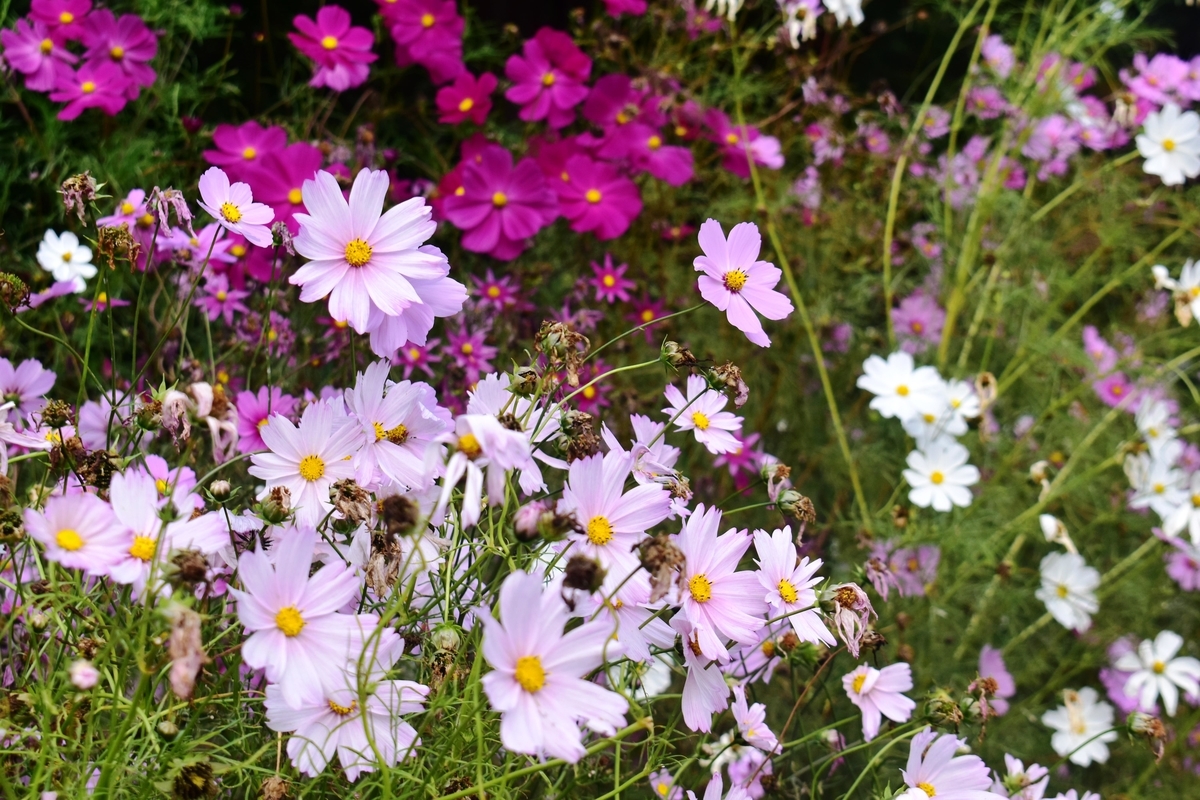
126, 42
789, 582
64, 18
255, 410
705, 691
752, 721
597, 198
616, 8
362, 258
219, 300
735, 142
25, 386
233, 207
32, 51
307, 459
548, 78
468, 98
612, 521
481, 443
416, 357
736, 282
242, 146
998, 56
610, 282
702, 413
78, 531
1183, 563
94, 85
1159, 78
470, 352
986, 102
648, 153
918, 321
991, 665
500, 293
278, 177
537, 682
429, 33
1114, 389
501, 206
624, 603
719, 603
879, 692
935, 770
295, 632
341, 51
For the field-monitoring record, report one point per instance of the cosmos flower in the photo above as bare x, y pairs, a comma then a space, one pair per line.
78, 531
940, 476
501, 205
1069, 590
1081, 727
878, 693
127, 42
278, 176
548, 78
25, 386
901, 388
1170, 143
1156, 670
66, 259
789, 582
991, 665
255, 410
736, 282
537, 679
31, 50
429, 33
481, 443
752, 722
96, 84
596, 197
935, 769
702, 413
241, 147
705, 691
341, 51
468, 98
66, 19
233, 207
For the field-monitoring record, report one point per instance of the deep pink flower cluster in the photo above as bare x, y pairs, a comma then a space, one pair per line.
117, 52
340, 51
429, 33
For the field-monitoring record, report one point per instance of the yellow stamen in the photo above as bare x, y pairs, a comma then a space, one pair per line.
599, 531
289, 621
312, 468
468, 445
858, 682
329, 43
654, 142
69, 539
499, 199
700, 420
427, 20
902, 390
593, 196
117, 52
1168, 145
358, 252
66, 18
701, 588
231, 213
46, 46
88, 87
249, 153
787, 591
295, 197
926, 788
936, 478
343, 711
530, 673
142, 548
466, 104
735, 279
548, 79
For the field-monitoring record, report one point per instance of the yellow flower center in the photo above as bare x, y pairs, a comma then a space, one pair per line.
530, 673
593, 196
142, 548
499, 199
1062, 590
564, 177
917, 327
358, 252
396, 435
1159, 488
787, 591
69, 539
599, 530
262, 422
66, 256
663, 788
732, 138
343, 711
161, 486
295, 197
46, 46
88, 87
589, 392
249, 153
927, 788
127, 207
622, 118
231, 213
1196, 500
493, 292
427, 20
680, 131
289, 621
654, 142
647, 316
329, 43
312, 468
768, 648
548, 79
468, 445
459, 192
929, 418
936, 478
700, 420
701, 588
858, 682
609, 281
466, 104
467, 348
1159, 668
414, 353
1168, 145
117, 52
1118, 390
222, 376
222, 296
66, 18
146, 220
735, 279
102, 298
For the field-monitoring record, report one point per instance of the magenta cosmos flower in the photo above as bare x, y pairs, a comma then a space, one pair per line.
243, 146
360, 257
95, 85
610, 282
501, 206
30, 50
233, 207
278, 179
878, 693
64, 18
255, 410
341, 51
126, 42
537, 680
736, 282
468, 98
595, 197
738, 144
429, 33
718, 603
548, 78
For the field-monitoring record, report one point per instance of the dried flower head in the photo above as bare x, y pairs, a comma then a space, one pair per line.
728, 378
661, 558
14, 292
77, 191
350, 500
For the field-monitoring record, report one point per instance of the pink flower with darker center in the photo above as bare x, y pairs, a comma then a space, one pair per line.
429, 33
126, 42
736, 282
341, 51
31, 50
597, 198
501, 206
468, 98
95, 85
548, 78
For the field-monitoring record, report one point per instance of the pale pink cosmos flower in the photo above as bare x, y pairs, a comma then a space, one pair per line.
736, 282
752, 722
360, 257
83, 674
701, 412
308, 459
612, 521
789, 582
481, 443
719, 602
935, 770
537, 680
491, 395
879, 693
624, 601
296, 634
705, 691
233, 207
78, 531
716, 788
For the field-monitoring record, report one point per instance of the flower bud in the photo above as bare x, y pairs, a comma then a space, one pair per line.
527, 519
796, 505
14, 293
445, 638
523, 381
83, 674
277, 506
220, 490
584, 573
676, 355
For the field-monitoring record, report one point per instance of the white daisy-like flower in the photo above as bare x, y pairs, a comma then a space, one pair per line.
845, 10
1156, 483
1170, 143
902, 389
1069, 590
1081, 727
66, 259
1154, 423
1157, 671
1186, 516
939, 476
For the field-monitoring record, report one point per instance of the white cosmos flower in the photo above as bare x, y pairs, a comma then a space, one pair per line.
846, 10
1187, 514
939, 476
1156, 671
1170, 143
902, 389
1069, 590
1081, 727
66, 259
1154, 423
1156, 483
1186, 289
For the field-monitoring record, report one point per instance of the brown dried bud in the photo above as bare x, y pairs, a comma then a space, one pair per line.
14, 292
564, 347
57, 414
186, 650
873, 640
400, 515
903, 620
113, 241
578, 439
383, 565
583, 573
87, 647
796, 505
905, 652
900, 516
77, 191
788, 642
277, 506
661, 558
97, 468
677, 356
728, 378
986, 388
1152, 729
192, 567
350, 500
943, 710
